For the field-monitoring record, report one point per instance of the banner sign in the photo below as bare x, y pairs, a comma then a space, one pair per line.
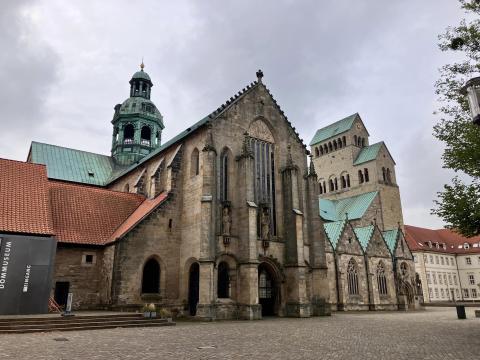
26, 270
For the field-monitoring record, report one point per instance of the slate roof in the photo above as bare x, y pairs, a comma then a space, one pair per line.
417, 239
73, 165
334, 231
137, 216
89, 215
364, 234
334, 129
355, 206
390, 237
24, 203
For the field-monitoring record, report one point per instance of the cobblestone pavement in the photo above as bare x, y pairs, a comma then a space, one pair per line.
431, 334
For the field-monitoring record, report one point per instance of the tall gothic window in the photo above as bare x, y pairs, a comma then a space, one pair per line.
195, 163
360, 176
264, 173
352, 278
224, 176
381, 279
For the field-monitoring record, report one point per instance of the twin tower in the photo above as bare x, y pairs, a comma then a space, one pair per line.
137, 123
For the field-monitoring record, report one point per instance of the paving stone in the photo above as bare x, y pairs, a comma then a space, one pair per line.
431, 334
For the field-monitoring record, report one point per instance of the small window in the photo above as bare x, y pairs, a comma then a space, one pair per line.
471, 279
367, 178
474, 293
468, 261
360, 176
88, 259
195, 163
465, 293
466, 245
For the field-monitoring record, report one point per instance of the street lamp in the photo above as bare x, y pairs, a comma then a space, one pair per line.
472, 91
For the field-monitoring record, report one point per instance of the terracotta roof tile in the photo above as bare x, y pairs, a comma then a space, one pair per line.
138, 215
418, 240
89, 215
24, 205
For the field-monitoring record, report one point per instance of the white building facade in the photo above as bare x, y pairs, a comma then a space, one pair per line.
447, 264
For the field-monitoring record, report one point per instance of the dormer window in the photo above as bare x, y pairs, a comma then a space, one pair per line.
91, 173
437, 245
444, 246
466, 245
429, 244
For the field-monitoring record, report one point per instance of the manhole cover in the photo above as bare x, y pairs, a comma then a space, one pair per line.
60, 339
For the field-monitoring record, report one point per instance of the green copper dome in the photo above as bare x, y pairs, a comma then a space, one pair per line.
141, 106
141, 75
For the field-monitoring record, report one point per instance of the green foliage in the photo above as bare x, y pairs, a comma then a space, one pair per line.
459, 203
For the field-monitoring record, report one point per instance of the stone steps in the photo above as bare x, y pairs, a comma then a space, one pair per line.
29, 325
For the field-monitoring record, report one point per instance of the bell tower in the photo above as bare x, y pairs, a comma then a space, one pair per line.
137, 123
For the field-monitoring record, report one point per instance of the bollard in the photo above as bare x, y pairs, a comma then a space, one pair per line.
461, 312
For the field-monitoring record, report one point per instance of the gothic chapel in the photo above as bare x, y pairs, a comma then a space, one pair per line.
222, 221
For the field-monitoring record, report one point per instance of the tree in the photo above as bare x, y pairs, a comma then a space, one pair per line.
459, 203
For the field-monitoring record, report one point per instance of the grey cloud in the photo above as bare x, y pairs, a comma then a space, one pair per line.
322, 61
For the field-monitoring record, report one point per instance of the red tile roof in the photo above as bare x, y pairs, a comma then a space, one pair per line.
138, 215
418, 240
24, 205
89, 215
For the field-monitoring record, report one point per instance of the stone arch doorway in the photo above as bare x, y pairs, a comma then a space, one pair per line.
193, 288
268, 292
151, 277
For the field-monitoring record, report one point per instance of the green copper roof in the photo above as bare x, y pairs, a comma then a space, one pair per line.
73, 165
364, 234
390, 237
368, 153
141, 75
334, 129
355, 206
334, 231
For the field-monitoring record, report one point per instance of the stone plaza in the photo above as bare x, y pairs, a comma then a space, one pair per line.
435, 333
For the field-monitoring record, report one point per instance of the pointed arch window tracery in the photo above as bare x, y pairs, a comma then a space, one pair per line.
352, 277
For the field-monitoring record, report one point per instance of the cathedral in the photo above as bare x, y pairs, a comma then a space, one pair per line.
229, 219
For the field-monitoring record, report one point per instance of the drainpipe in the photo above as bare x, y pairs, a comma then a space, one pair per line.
336, 280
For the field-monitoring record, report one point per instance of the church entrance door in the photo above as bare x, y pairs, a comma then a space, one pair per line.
193, 288
267, 291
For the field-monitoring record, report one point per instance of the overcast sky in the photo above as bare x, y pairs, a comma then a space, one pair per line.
65, 64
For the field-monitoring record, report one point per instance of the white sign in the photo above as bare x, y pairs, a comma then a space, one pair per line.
68, 309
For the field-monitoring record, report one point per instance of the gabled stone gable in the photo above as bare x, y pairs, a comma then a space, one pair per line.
348, 242
402, 251
377, 246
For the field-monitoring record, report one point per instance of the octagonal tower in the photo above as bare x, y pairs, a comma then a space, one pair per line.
137, 123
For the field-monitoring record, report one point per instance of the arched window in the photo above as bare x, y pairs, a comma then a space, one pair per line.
344, 182
126, 188
151, 277
128, 134
339, 142
330, 147
352, 278
404, 269
321, 150
317, 153
384, 174
348, 180
224, 176
336, 184
325, 148
381, 279
324, 187
195, 163
223, 283
335, 144
360, 176
367, 178
389, 178
330, 184
355, 139
344, 140
145, 135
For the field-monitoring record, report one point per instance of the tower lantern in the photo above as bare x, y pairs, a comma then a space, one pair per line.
137, 123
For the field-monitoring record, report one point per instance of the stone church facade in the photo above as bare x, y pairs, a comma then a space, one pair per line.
226, 220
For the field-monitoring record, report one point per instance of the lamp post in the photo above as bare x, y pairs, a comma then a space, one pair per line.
472, 91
